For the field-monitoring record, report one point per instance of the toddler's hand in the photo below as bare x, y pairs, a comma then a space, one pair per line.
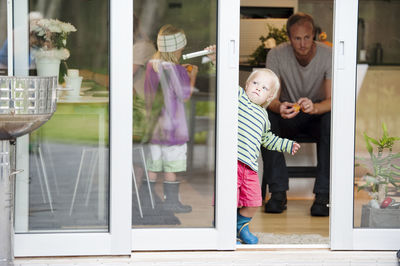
296, 147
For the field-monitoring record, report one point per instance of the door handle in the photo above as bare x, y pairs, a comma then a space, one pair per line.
340, 55
233, 61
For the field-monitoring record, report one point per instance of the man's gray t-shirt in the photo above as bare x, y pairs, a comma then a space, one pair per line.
301, 81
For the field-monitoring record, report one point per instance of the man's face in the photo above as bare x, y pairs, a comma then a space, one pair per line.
301, 38
260, 88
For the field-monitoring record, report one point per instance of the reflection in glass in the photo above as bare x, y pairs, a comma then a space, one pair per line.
173, 158
69, 156
377, 174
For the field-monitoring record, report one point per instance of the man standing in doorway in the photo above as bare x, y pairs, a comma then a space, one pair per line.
303, 106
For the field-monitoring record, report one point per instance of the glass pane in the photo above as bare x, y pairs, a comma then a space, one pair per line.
69, 155
377, 175
3, 38
173, 122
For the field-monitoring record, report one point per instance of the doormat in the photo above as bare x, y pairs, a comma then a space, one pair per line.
156, 216
269, 238
151, 215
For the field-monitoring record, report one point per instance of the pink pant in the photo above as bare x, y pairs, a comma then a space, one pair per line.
248, 187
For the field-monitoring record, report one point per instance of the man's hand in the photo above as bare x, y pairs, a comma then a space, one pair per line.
296, 147
287, 110
307, 106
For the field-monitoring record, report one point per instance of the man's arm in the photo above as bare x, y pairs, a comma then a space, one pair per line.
326, 105
274, 106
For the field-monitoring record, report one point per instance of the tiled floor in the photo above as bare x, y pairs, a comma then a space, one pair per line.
223, 258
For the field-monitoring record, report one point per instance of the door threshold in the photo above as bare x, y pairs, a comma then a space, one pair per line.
282, 247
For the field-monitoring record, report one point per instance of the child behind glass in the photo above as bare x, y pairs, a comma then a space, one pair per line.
254, 130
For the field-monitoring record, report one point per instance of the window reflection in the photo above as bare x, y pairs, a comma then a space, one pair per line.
377, 179
173, 166
69, 156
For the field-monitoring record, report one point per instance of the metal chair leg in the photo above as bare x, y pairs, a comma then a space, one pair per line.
147, 177
137, 192
93, 161
40, 177
45, 179
77, 182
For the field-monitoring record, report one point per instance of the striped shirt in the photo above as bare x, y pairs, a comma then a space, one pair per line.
254, 131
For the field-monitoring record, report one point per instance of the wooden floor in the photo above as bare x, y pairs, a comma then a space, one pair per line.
198, 192
295, 220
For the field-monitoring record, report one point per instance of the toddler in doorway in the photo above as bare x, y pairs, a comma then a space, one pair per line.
254, 130
167, 86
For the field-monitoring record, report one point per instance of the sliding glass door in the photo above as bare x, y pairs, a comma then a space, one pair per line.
184, 173
72, 197
366, 126
85, 188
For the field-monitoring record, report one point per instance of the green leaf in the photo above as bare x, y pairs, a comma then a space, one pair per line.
369, 147
395, 166
374, 141
385, 131
395, 173
395, 156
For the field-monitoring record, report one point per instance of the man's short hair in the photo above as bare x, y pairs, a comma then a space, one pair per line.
299, 17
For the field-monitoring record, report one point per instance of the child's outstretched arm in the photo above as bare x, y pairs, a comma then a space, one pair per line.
295, 148
275, 143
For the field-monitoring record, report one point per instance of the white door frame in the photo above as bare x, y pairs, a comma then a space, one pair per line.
223, 236
118, 240
343, 235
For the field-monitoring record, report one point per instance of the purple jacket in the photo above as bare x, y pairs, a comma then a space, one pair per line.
171, 127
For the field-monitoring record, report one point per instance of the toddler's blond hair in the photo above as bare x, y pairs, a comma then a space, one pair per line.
273, 76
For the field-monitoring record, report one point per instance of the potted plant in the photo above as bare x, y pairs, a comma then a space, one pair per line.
275, 37
383, 170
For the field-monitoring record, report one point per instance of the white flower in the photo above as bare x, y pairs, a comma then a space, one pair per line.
50, 33
67, 27
53, 27
61, 54
270, 43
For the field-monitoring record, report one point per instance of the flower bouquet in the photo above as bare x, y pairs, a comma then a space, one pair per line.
48, 38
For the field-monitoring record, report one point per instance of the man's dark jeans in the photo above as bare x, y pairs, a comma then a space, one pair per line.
316, 126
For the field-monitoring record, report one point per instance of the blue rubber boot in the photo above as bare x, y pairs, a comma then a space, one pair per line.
243, 232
